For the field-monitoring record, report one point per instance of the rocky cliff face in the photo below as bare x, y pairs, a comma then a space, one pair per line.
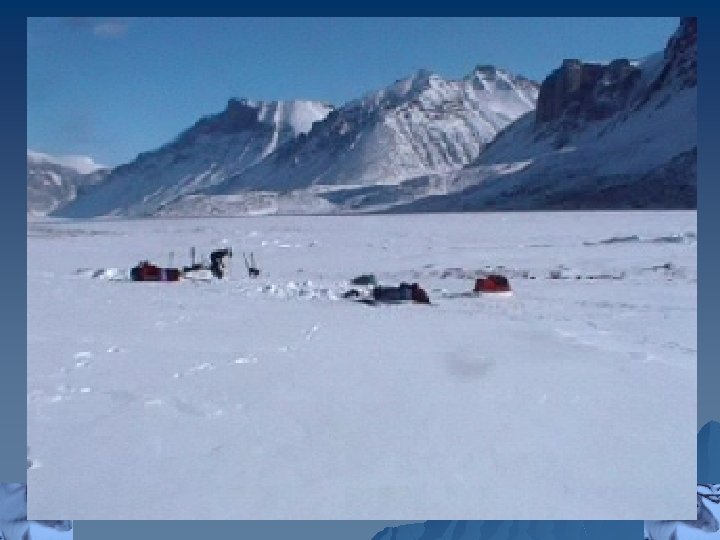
679, 69
578, 92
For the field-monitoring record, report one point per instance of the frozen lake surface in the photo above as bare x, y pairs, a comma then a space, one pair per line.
275, 398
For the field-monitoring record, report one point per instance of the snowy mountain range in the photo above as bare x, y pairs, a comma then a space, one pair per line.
55, 181
215, 148
615, 135
247, 157
419, 125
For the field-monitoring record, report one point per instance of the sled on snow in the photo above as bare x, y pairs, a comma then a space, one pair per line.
145, 271
380, 294
493, 284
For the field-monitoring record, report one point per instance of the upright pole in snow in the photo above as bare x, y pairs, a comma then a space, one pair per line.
252, 270
192, 255
171, 259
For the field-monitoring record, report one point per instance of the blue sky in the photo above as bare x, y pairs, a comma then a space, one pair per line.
111, 88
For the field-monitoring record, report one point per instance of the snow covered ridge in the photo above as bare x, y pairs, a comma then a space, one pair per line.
417, 126
285, 119
217, 147
616, 135
604, 136
53, 181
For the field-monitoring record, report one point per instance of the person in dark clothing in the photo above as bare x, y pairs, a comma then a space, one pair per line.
217, 262
419, 295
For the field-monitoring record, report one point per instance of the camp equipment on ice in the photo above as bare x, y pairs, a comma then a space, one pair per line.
364, 279
392, 294
145, 271
252, 269
405, 292
493, 283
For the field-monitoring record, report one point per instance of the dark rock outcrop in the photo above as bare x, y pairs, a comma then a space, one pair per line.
615, 136
579, 91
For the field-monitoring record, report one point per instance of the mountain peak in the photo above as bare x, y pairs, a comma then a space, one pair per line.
402, 90
245, 115
406, 140
423, 73
486, 69
235, 103
81, 164
416, 82
681, 52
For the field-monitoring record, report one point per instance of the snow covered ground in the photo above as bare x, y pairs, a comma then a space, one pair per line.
274, 398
